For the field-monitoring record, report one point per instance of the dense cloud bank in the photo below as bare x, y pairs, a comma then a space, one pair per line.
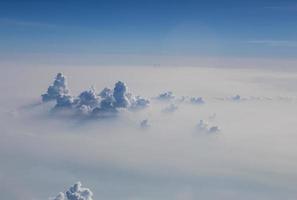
76, 192
91, 102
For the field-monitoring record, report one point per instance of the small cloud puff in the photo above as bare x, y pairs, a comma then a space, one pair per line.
76, 192
57, 89
203, 127
166, 96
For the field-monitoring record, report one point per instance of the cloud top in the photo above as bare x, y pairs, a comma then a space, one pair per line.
76, 192
57, 89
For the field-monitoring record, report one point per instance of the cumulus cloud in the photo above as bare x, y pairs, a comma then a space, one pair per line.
76, 192
88, 98
106, 93
205, 128
57, 89
64, 101
120, 95
89, 102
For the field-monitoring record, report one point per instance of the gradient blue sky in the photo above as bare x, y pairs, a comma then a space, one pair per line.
198, 28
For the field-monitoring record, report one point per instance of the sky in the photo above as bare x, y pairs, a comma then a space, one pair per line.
240, 29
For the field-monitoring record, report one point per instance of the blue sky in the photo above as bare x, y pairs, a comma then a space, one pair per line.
196, 28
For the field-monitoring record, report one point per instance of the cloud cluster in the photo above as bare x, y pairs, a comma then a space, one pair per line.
76, 192
91, 102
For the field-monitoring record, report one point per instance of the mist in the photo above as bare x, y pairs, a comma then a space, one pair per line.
251, 155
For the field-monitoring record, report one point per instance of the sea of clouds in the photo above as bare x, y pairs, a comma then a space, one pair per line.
147, 133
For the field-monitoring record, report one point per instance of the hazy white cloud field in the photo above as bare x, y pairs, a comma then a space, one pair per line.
252, 156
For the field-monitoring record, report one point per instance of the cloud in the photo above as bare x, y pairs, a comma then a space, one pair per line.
166, 96
89, 102
60, 196
120, 95
57, 89
76, 192
88, 99
139, 102
205, 128
64, 101
197, 100
236, 97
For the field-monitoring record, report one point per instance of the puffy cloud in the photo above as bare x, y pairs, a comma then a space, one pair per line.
88, 98
120, 95
89, 102
139, 102
76, 192
58, 88
203, 127
105, 93
64, 101
166, 96
106, 106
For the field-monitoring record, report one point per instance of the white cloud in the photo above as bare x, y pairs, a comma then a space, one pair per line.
76, 192
57, 89
90, 103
